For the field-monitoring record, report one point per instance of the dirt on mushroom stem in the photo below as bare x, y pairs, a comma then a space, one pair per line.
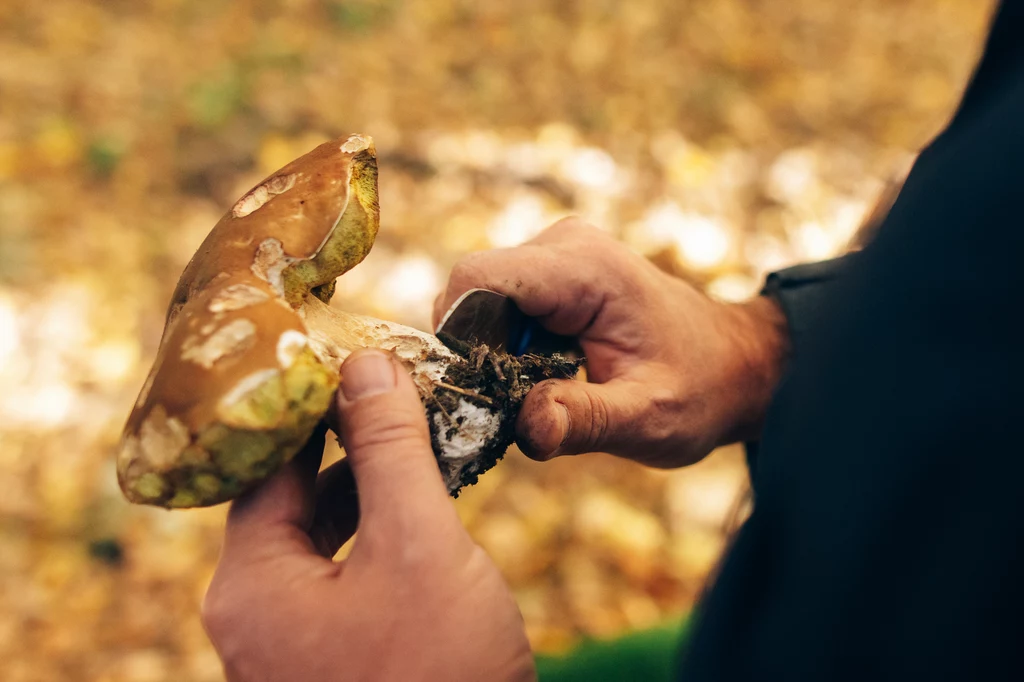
493, 380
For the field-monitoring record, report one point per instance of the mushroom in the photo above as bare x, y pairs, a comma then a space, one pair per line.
250, 355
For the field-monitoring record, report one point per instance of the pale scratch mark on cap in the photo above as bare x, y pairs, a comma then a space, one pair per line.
355, 143
234, 337
270, 262
254, 200
246, 386
236, 297
289, 346
161, 438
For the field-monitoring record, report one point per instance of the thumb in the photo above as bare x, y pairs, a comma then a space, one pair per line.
567, 417
387, 443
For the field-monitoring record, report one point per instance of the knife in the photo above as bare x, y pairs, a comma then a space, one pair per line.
482, 316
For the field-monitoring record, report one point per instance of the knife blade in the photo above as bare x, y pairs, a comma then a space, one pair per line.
482, 316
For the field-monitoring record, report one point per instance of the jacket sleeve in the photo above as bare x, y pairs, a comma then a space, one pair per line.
801, 291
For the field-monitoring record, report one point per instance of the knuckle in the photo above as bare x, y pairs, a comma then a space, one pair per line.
597, 413
228, 644
568, 225
576, 229
223, 617
387, 428
662, 427
469, 270
439, 308
536, 426
216, 612
663, 401
662, 420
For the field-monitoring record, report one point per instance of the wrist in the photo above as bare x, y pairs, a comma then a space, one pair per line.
758, 341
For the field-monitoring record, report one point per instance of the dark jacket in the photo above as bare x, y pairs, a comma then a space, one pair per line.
887, 537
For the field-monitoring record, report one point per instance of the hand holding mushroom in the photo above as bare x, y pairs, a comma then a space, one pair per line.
251, 350
415, 599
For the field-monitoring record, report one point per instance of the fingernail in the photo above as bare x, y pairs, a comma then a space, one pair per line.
561, 424
366, 373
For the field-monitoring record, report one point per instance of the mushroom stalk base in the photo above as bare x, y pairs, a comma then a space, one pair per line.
471, 394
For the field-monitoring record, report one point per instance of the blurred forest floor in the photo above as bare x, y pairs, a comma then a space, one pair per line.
723, 138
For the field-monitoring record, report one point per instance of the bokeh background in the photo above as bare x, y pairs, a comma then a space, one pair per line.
722, 138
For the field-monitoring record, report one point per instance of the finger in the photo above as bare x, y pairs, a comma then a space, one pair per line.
557, 276
568, 229
274, 518
562, 288
565, 417
438, 311
387, 443
337, 508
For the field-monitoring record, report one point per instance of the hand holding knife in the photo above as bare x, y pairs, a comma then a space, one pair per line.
482, 316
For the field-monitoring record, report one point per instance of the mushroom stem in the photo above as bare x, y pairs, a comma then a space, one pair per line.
473, 424
334, 334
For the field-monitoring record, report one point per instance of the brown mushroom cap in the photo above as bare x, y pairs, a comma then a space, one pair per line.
236, 388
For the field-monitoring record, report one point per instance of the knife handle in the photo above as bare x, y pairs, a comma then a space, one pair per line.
518, 346
529, 336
